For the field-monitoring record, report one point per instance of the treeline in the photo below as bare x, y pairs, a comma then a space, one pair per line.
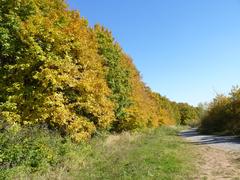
59, 73
223, 114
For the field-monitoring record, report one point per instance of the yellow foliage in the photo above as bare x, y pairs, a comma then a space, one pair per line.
58, 71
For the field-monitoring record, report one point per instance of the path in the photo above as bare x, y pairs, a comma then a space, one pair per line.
227, 143
219, 156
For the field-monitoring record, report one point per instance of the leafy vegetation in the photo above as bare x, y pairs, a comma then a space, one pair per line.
223, 114
52, 76
38, 153
188, 114
117, 76
58, 72
62, 82
30, 150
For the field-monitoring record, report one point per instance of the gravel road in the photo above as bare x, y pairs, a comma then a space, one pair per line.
227, 143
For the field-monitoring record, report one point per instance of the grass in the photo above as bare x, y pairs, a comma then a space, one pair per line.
150, 154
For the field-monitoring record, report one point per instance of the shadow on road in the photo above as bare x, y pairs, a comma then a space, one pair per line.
199, 139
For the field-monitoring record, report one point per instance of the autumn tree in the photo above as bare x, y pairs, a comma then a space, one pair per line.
57, 72
222, 115
49, 74
188, 114
117, 76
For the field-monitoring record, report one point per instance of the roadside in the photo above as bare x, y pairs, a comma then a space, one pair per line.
226, 143
149, 154
219, 157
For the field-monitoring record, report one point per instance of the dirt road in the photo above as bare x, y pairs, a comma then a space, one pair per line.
218, 157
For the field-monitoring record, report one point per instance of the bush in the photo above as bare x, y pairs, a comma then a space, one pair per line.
223, 114
189, 115
31, 149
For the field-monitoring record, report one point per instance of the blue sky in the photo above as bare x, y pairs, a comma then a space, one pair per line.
187, 50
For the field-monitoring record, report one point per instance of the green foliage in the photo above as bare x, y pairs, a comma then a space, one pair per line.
30, 149
45, 155
144, 111
60, 79
117, 77
188, 114
57, 71
150, 154
223, 114
48, 73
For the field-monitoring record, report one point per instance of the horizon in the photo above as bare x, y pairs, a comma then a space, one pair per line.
187, 51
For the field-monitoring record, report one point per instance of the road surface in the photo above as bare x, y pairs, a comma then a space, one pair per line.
227, 143
217, 157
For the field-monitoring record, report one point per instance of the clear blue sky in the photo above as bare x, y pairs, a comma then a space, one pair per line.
186, 50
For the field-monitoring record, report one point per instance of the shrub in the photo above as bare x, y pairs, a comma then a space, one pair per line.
222, 115
30, 149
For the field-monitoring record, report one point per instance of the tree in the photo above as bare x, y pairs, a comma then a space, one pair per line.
188, 114
49, 74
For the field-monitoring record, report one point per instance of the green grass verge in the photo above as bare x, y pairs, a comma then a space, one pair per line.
149, 154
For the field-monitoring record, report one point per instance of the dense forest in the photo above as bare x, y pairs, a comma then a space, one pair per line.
61, 75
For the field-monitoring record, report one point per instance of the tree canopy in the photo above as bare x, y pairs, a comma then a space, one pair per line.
58, 72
